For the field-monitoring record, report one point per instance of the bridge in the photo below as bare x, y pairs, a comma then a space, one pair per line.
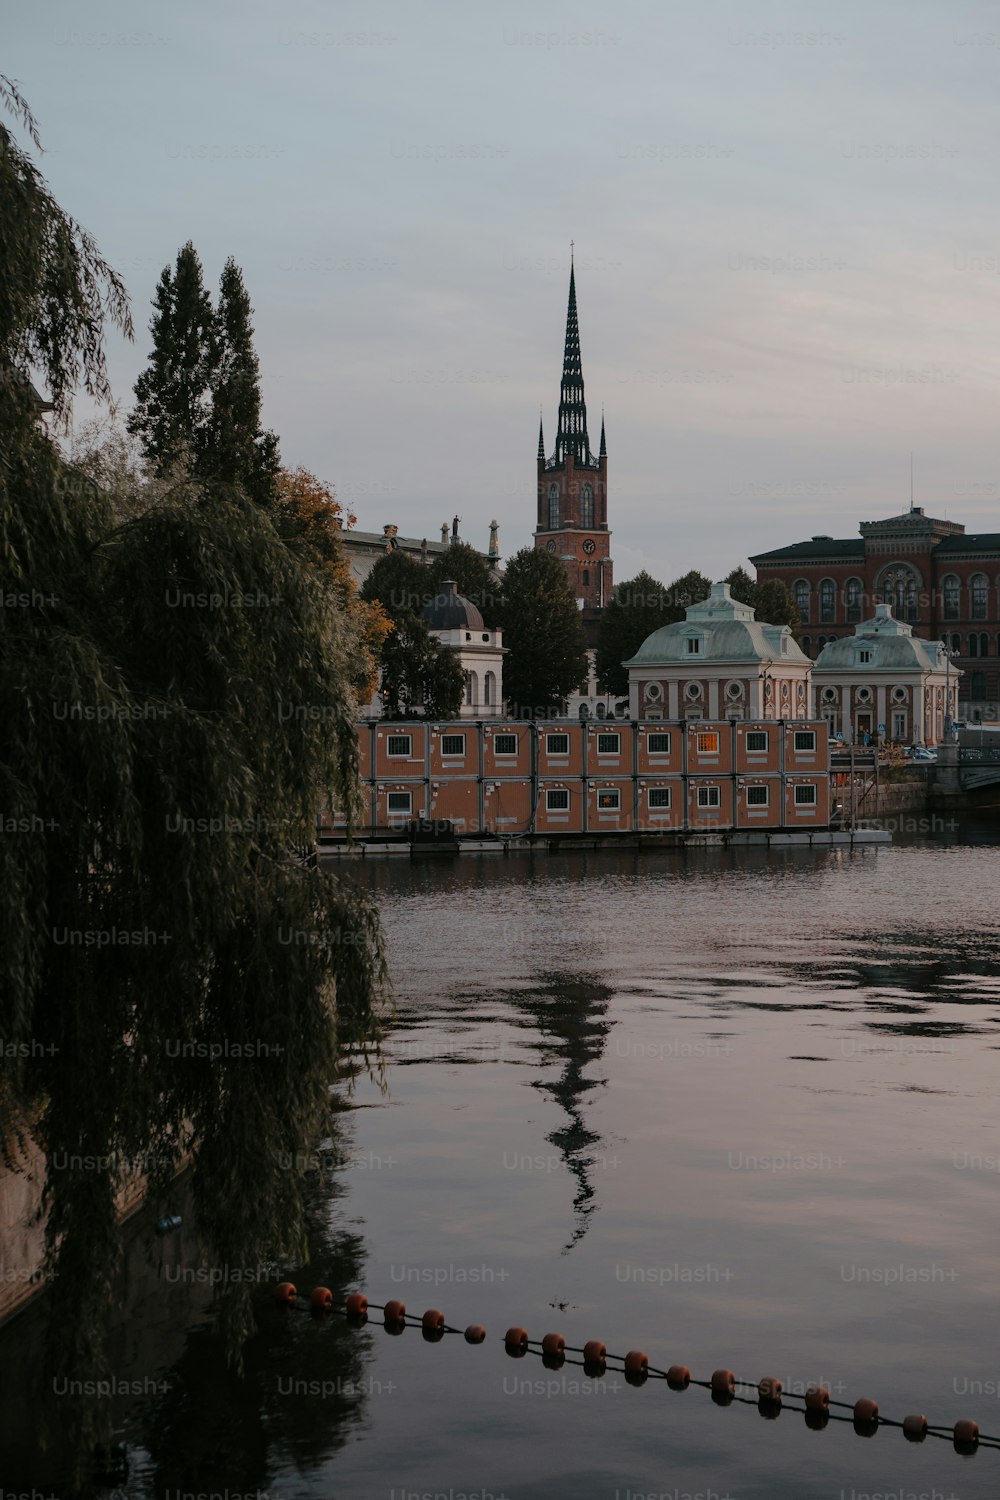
964, 770
978, 767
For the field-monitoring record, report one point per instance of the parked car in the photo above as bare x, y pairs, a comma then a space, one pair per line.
921, 753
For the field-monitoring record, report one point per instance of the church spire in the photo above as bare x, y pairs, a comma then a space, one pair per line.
541, 437
604, 445
572, 437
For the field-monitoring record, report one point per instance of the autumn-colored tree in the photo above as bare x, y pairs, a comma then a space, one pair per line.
312, 521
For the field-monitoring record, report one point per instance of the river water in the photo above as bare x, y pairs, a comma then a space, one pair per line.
735, 1108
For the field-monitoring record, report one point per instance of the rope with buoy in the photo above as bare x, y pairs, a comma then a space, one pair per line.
594, 1358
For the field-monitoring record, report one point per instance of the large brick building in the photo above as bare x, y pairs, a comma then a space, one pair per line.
573, 488
938, 578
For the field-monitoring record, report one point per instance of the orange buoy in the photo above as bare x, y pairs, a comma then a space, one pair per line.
817, 1398
636, 1363
554, 1344
723, 1383
394, 1312
594, 1352
865, 1410
475, 1333
915, 1428
357, 1305
321, 1299
432, 1321
516, 1338
966, 1434
769, 1389
678, 1377
286, 1293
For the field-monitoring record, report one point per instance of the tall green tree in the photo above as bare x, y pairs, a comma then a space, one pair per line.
420, 677
399, 583
774, 603
742, 586
543, 634
476, 580
418, 673
232, 447
690, 588
635, 610
175, 705
173, 394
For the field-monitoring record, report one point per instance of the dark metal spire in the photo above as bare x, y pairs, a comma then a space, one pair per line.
571, 437
604, 445
541, 439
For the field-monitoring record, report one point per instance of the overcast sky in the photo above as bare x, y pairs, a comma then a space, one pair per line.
787, 226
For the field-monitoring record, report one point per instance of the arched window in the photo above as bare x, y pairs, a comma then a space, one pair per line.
853, 591
898, 589
471, 689
827, 602
977, 685
950, 596
587, 507
802, 593
489, 688
586, 577
807, 644
979, 643
954, 642
978, 595
553, 506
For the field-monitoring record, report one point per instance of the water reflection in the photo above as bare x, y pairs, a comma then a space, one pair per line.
570, 1016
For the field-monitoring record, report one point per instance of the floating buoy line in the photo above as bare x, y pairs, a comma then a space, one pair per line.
769, 1398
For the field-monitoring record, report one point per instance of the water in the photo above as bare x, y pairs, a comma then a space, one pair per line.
736, 1108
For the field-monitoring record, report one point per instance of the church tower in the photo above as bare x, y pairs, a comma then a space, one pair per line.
573, 486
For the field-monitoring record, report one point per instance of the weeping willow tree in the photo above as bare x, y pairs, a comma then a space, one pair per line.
175, 705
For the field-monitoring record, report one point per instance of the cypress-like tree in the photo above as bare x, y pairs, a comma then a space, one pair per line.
175, 707
173, 394
543, 635
232, 447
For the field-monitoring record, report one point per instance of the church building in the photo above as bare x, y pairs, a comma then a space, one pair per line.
573, 488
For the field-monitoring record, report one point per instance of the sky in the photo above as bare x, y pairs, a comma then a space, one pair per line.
786, 218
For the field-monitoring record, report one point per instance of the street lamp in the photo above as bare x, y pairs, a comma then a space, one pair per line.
947, 692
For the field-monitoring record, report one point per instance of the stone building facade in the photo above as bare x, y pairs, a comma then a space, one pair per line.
939, 579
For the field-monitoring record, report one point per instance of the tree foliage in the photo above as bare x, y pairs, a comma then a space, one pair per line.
772, 601
742, 586
198, 403
56, 290
312, 522
476, 580
235, 449
543, 634
775, 604
690, 588
172, 395
174, 690
400, 583
417, 671
635, 610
